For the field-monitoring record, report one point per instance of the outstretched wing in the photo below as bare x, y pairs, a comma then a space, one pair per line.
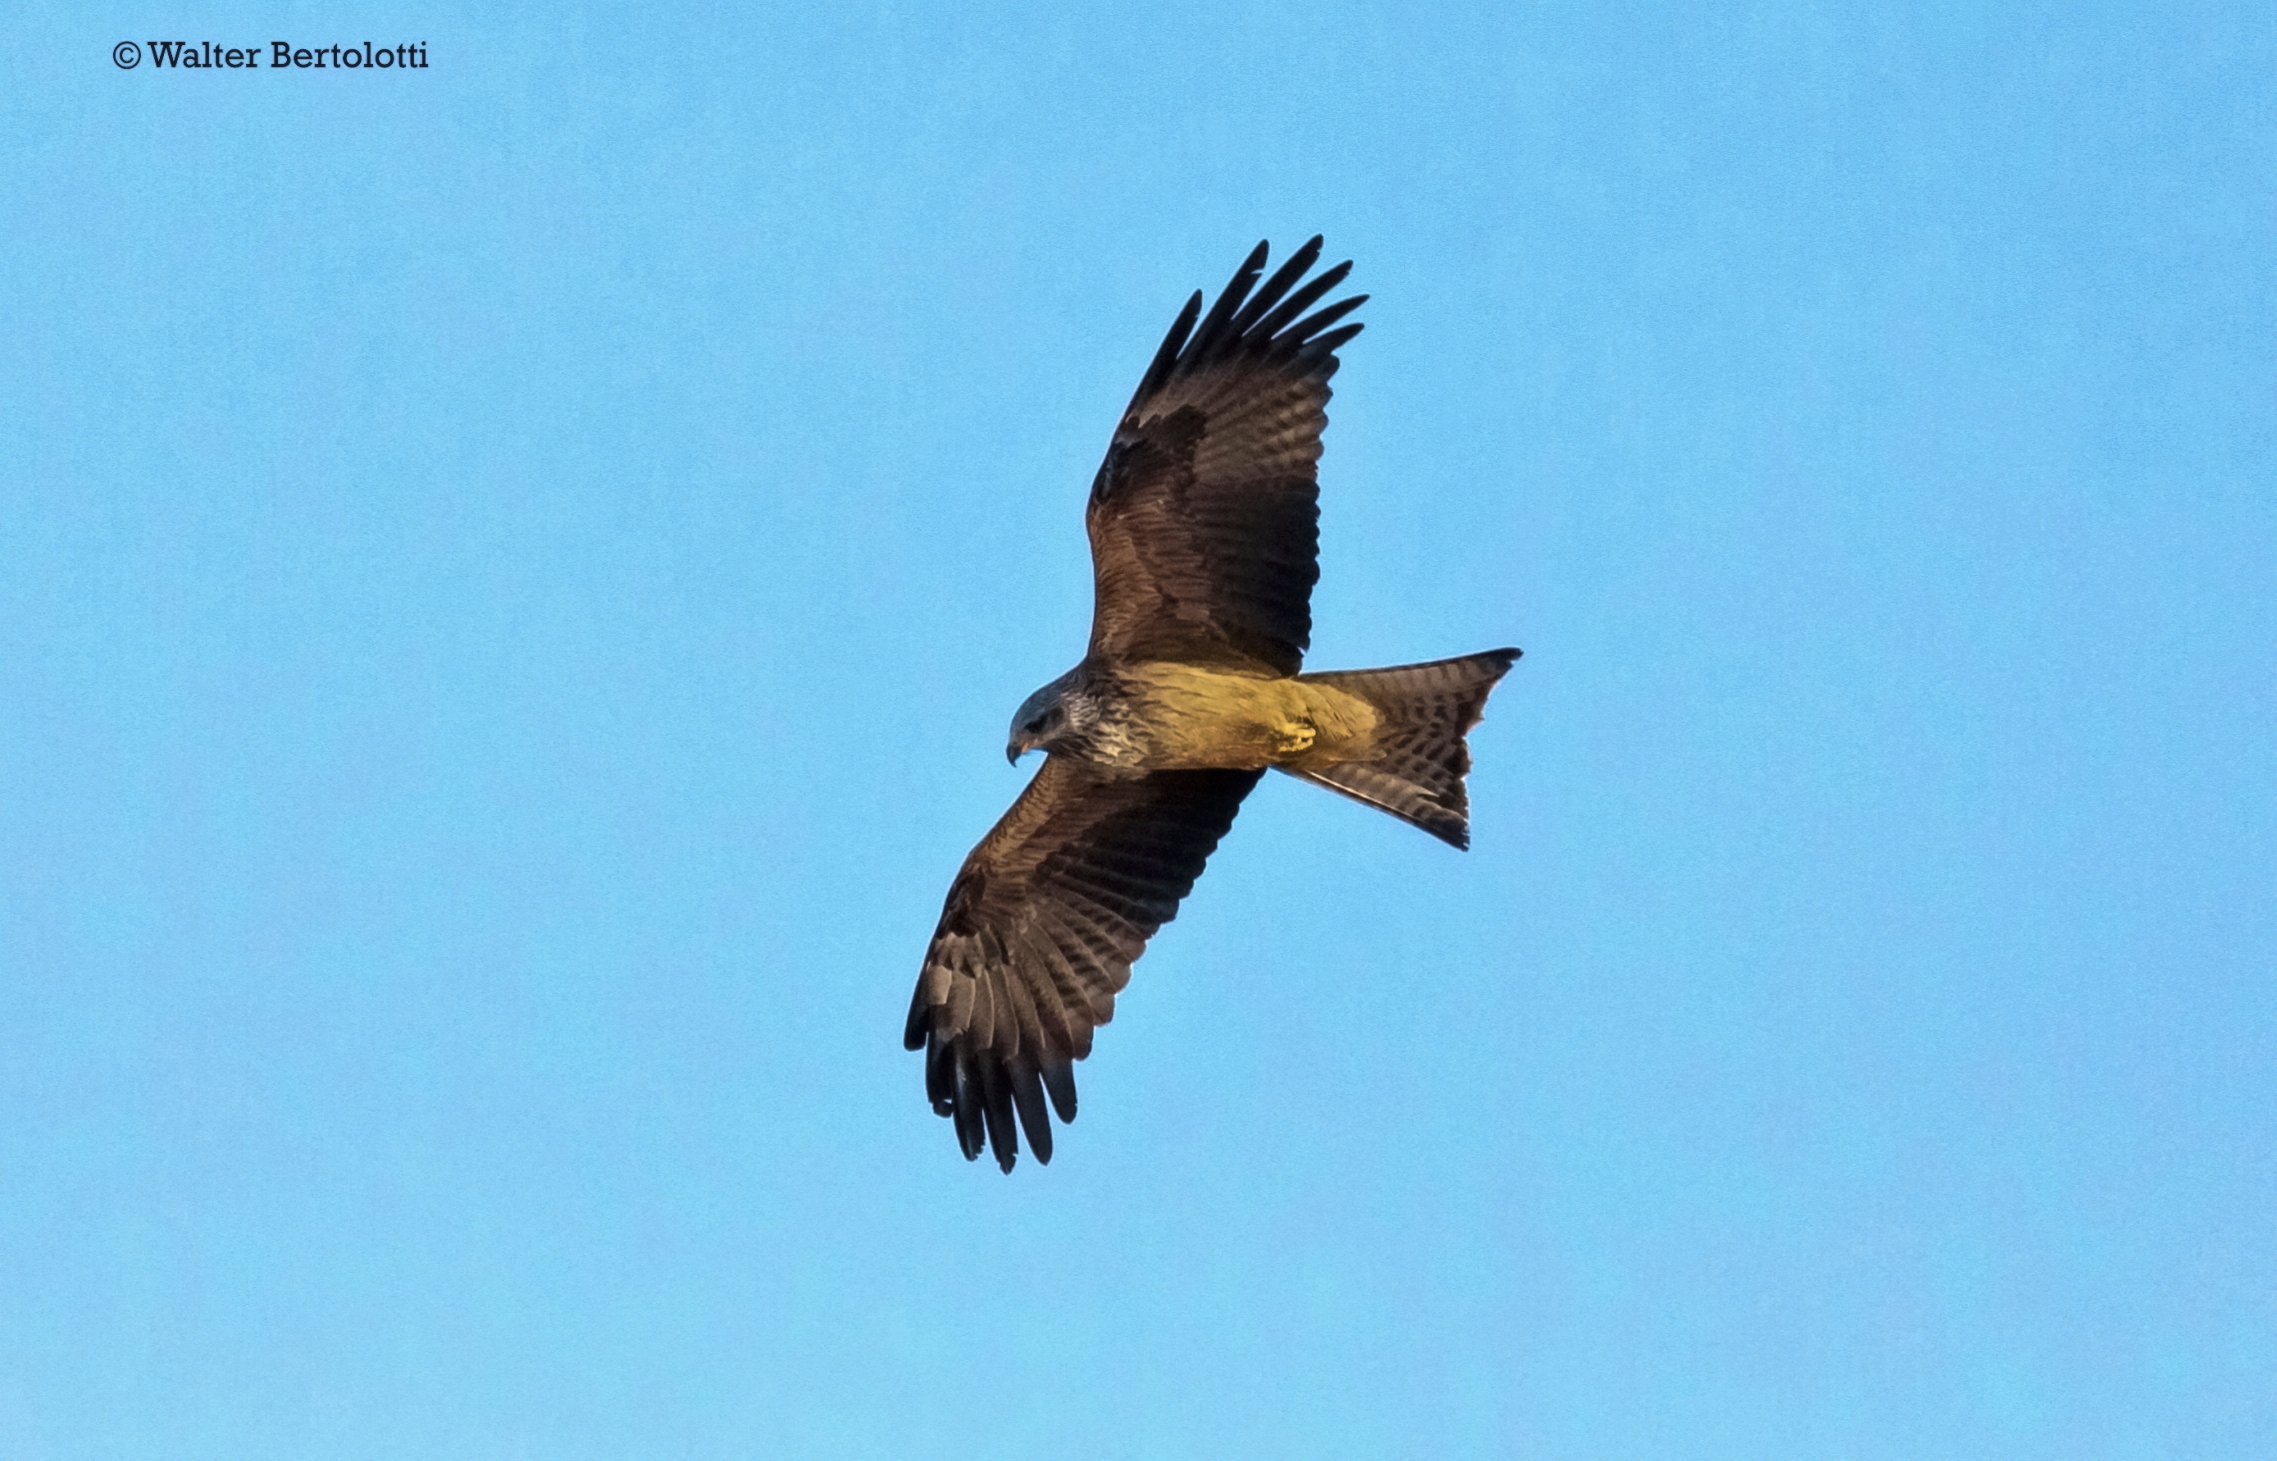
1041, 928
1205, 516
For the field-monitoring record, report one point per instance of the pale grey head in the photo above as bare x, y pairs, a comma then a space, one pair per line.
1054, 714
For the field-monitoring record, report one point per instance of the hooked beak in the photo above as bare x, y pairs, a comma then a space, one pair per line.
1013, 752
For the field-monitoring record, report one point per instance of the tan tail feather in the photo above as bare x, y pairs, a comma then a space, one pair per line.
1427, 711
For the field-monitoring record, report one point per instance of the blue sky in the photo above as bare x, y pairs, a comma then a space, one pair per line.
512, 580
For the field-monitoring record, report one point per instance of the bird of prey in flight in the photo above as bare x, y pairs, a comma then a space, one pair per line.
1204, 524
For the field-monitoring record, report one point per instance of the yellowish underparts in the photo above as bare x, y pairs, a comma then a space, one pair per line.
1195, 717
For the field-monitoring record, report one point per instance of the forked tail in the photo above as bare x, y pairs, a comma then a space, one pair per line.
1421, 756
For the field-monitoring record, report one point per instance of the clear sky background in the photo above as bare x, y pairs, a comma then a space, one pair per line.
513, 577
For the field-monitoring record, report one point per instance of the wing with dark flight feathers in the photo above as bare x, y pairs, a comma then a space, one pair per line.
1205, 516
1041, 928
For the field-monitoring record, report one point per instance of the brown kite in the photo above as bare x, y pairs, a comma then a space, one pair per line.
1204, 523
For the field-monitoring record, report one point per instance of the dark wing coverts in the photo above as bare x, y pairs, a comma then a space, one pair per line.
1205, 516
1039, 933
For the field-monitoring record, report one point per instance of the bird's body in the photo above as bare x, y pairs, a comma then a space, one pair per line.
1163, 716
1204, 539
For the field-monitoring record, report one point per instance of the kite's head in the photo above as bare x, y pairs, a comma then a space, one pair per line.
1041, 719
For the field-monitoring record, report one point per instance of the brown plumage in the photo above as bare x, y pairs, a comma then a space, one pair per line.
1204, 524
